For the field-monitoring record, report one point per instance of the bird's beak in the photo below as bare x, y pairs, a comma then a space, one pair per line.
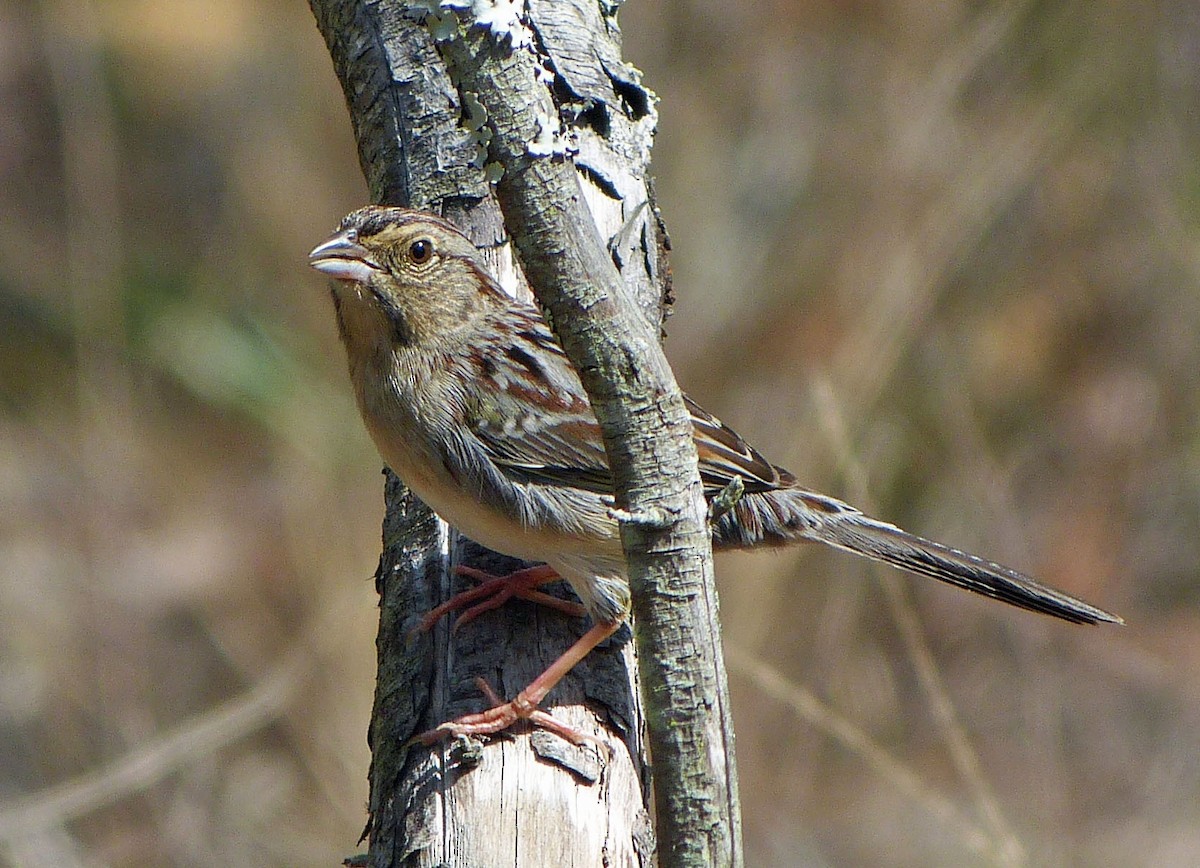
344, 258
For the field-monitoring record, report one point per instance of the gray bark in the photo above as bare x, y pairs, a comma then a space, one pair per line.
528, 100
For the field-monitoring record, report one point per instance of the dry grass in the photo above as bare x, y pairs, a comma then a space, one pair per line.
938, 258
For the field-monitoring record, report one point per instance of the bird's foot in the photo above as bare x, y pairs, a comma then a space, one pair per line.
524, 706
500, 717
494, 591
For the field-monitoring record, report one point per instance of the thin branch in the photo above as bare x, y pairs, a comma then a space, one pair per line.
962, 752
648, 436
140, 769
1009, 850
808, 706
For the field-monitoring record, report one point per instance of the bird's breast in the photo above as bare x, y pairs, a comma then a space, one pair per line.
517, 524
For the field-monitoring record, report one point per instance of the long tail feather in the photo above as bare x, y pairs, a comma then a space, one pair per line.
793, 514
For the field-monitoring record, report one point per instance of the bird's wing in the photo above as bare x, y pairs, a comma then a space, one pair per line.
531, 415
725, 456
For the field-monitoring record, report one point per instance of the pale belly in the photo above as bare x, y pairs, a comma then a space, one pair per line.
593, 564
486, 525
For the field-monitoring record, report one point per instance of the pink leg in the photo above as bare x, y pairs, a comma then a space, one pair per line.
494, 591
525, 705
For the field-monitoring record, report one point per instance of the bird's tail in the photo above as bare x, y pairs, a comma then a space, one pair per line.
787, 515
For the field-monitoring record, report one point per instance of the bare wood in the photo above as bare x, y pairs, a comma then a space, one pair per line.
529, 800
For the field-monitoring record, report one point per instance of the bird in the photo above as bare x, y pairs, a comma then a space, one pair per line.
472, 402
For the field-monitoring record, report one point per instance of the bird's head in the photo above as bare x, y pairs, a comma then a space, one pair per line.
403, 277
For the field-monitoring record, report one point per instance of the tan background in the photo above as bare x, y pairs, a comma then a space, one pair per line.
937, 257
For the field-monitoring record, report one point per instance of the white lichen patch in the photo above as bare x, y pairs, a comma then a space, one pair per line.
551, 141
439, 18
475, 120
502, 18
442, 25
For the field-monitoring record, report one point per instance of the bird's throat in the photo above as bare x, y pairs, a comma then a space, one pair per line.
365, 323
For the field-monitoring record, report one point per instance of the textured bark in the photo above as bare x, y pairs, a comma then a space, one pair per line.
529, 100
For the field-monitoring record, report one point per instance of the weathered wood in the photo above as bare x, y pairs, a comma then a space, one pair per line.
534, 799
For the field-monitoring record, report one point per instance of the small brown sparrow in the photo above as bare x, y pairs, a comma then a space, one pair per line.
472, 402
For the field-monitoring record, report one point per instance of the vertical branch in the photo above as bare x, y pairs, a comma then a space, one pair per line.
648, 437
523, 98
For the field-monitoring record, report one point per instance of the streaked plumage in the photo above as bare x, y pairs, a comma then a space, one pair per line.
472, 402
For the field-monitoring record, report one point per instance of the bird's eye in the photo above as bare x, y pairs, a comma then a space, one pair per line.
421, 251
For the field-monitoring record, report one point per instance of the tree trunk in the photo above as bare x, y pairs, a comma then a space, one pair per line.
535, 799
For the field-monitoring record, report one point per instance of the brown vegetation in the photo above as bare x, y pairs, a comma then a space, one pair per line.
937, 258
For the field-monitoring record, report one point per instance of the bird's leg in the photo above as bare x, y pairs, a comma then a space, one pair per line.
524, 706
494, 591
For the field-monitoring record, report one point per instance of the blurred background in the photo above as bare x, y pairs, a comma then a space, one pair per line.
939, 258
